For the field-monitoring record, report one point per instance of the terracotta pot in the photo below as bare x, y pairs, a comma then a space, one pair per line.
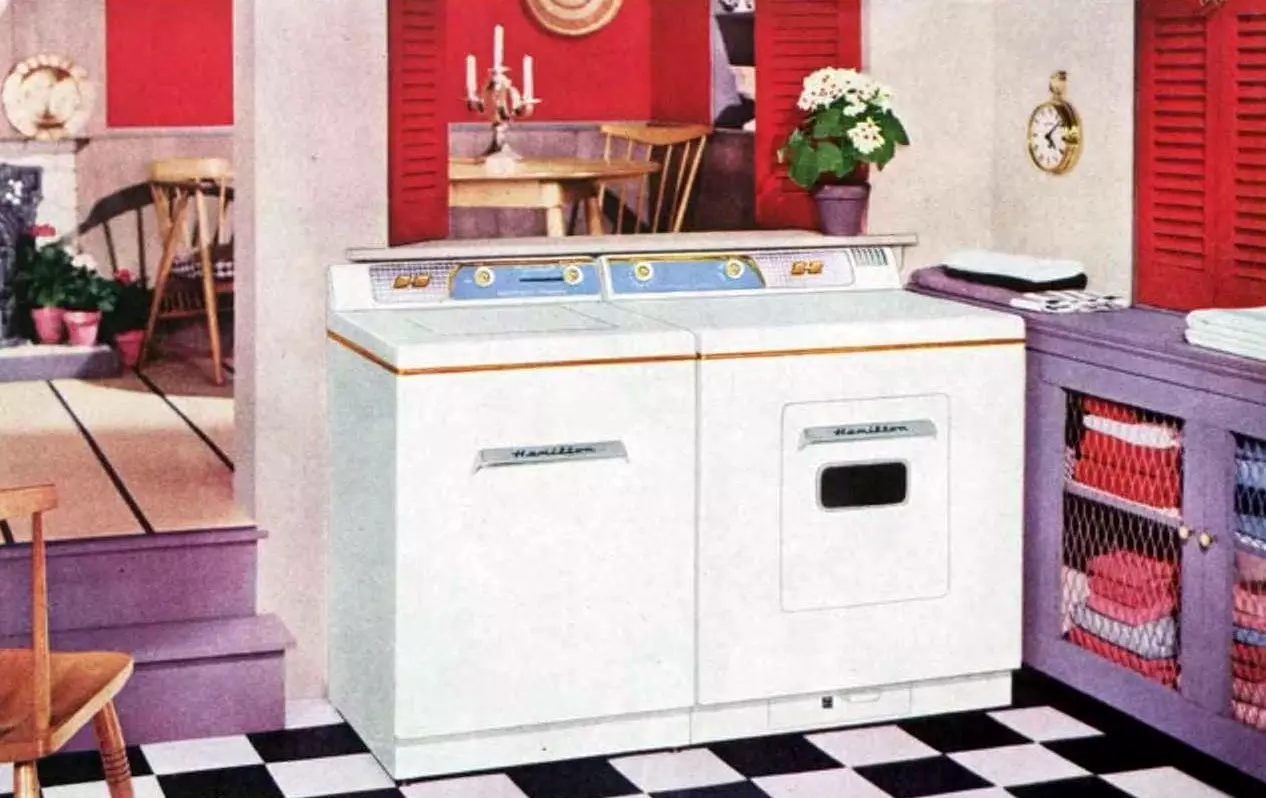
82, 325
842, 208
49, 324
129, 345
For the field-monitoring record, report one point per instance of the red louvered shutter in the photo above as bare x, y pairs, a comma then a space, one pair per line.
417, 132
1242, 259
793, 38
1176, 145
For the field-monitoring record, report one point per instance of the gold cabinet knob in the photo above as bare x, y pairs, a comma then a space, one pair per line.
1184, 534
1205, 540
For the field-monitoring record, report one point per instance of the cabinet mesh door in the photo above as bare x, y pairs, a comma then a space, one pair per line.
1121, 551
1248, 648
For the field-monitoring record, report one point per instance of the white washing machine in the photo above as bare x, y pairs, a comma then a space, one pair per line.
860, 482
511, 561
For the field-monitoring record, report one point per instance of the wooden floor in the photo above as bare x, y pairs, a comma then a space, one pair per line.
134, 455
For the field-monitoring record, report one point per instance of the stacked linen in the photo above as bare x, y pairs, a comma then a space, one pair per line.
1121, 454
1240, 332
1128, 616
1248, 654
1250, 495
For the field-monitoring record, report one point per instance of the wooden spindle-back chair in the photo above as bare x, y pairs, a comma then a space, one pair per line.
654, 203
45, 696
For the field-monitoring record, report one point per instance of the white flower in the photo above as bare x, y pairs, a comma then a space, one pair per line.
866, 136
829, 85
85, 261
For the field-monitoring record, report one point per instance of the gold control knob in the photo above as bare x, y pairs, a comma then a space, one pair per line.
572, 275
484, 277
421, 280
734, 268
1205, 540
1184, 533
643, 271
798, 268
402, 281
815, 267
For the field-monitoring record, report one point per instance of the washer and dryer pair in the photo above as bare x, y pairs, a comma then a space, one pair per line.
606, 494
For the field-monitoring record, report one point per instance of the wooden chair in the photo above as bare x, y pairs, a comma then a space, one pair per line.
45, 698
188, 249
661, 199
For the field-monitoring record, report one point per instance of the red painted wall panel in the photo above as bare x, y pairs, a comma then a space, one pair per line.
602, 76
169, 63
417, 122
681, 61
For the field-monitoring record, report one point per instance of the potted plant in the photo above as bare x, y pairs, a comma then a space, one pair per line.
88, 296
849, 125
128, 319
42, 276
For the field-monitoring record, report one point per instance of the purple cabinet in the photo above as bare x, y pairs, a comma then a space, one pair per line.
1145, 540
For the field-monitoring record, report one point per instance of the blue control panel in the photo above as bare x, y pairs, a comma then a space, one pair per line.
508, 280
664, 275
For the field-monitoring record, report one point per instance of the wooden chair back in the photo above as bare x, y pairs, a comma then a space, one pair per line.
202, 176
656, 203
34, 501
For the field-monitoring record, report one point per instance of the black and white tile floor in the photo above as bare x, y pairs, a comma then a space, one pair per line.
1051, 742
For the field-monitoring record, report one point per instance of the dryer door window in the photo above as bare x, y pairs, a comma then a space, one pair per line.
852, 485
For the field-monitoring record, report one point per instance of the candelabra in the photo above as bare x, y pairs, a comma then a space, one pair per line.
499, 99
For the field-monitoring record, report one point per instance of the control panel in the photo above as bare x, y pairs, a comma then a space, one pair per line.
425, 282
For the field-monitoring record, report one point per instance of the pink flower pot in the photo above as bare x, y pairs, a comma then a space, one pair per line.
81, 325
49, 324
129, 345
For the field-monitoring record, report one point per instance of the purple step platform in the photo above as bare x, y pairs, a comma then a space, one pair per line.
38, 362
183, 605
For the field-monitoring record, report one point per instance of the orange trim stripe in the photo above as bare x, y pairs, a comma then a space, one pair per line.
855, 350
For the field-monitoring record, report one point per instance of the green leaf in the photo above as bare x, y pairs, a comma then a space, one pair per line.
804, 169
898, 133
829, 124
830, 157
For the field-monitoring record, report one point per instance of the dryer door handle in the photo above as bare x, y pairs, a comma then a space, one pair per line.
550, 453
870, 431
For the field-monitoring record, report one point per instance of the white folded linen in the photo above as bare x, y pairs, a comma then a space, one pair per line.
1248, 321
1153, 436
1019, 267
1235, 345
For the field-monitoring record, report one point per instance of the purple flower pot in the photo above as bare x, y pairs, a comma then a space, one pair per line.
842, 209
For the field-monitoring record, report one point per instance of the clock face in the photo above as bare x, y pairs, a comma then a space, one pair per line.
1053, 137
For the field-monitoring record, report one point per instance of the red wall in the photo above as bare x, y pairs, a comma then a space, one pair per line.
602, 76
168, 67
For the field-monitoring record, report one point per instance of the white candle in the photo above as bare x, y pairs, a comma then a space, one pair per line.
527, 77
471, 87
498, 46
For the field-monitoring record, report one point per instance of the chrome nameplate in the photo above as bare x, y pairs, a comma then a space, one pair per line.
550, 453
881, 430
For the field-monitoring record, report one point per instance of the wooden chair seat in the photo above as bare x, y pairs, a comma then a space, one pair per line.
81, 684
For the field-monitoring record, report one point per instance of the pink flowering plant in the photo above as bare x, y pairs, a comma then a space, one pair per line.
850, 123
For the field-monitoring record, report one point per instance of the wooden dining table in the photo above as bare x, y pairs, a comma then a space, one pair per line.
550, 184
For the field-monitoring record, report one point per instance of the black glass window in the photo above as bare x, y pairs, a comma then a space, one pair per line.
862, 485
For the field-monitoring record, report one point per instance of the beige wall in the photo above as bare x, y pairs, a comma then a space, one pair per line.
311, 155
1086, 214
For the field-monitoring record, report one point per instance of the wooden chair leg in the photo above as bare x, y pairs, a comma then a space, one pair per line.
113, 752
26, 782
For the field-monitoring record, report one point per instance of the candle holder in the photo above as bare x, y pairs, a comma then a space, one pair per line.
501, 101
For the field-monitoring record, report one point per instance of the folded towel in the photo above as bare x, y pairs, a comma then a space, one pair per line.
1250, 637
1156, 436
1131, 568
1246, 621
1251, 450
1250, 501
1155, 640
1076, 591
1111, 450
1253, 526
1245, 670
1022, 268
1161, 491
1233, 346
1250, 473
1245, 654
1110, 410
1246, 320
1164, 671
1250, 715
1249, 692
1019, 284
1250, 544
936, 278
1250, 561
1162, 606
1246, 600
1069, 302
1135, 597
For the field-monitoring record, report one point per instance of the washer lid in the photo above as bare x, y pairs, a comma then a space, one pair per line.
499, 336
793, 323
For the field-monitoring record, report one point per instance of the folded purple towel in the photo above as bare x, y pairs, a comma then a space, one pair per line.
937, 279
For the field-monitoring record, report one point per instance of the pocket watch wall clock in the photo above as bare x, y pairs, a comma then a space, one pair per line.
1054, 132
47, 97
574, 17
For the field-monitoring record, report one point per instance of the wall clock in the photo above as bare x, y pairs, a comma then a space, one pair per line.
1054, 131
574, 17
47, 97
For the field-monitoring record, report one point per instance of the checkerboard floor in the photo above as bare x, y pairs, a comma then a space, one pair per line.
1050, 742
